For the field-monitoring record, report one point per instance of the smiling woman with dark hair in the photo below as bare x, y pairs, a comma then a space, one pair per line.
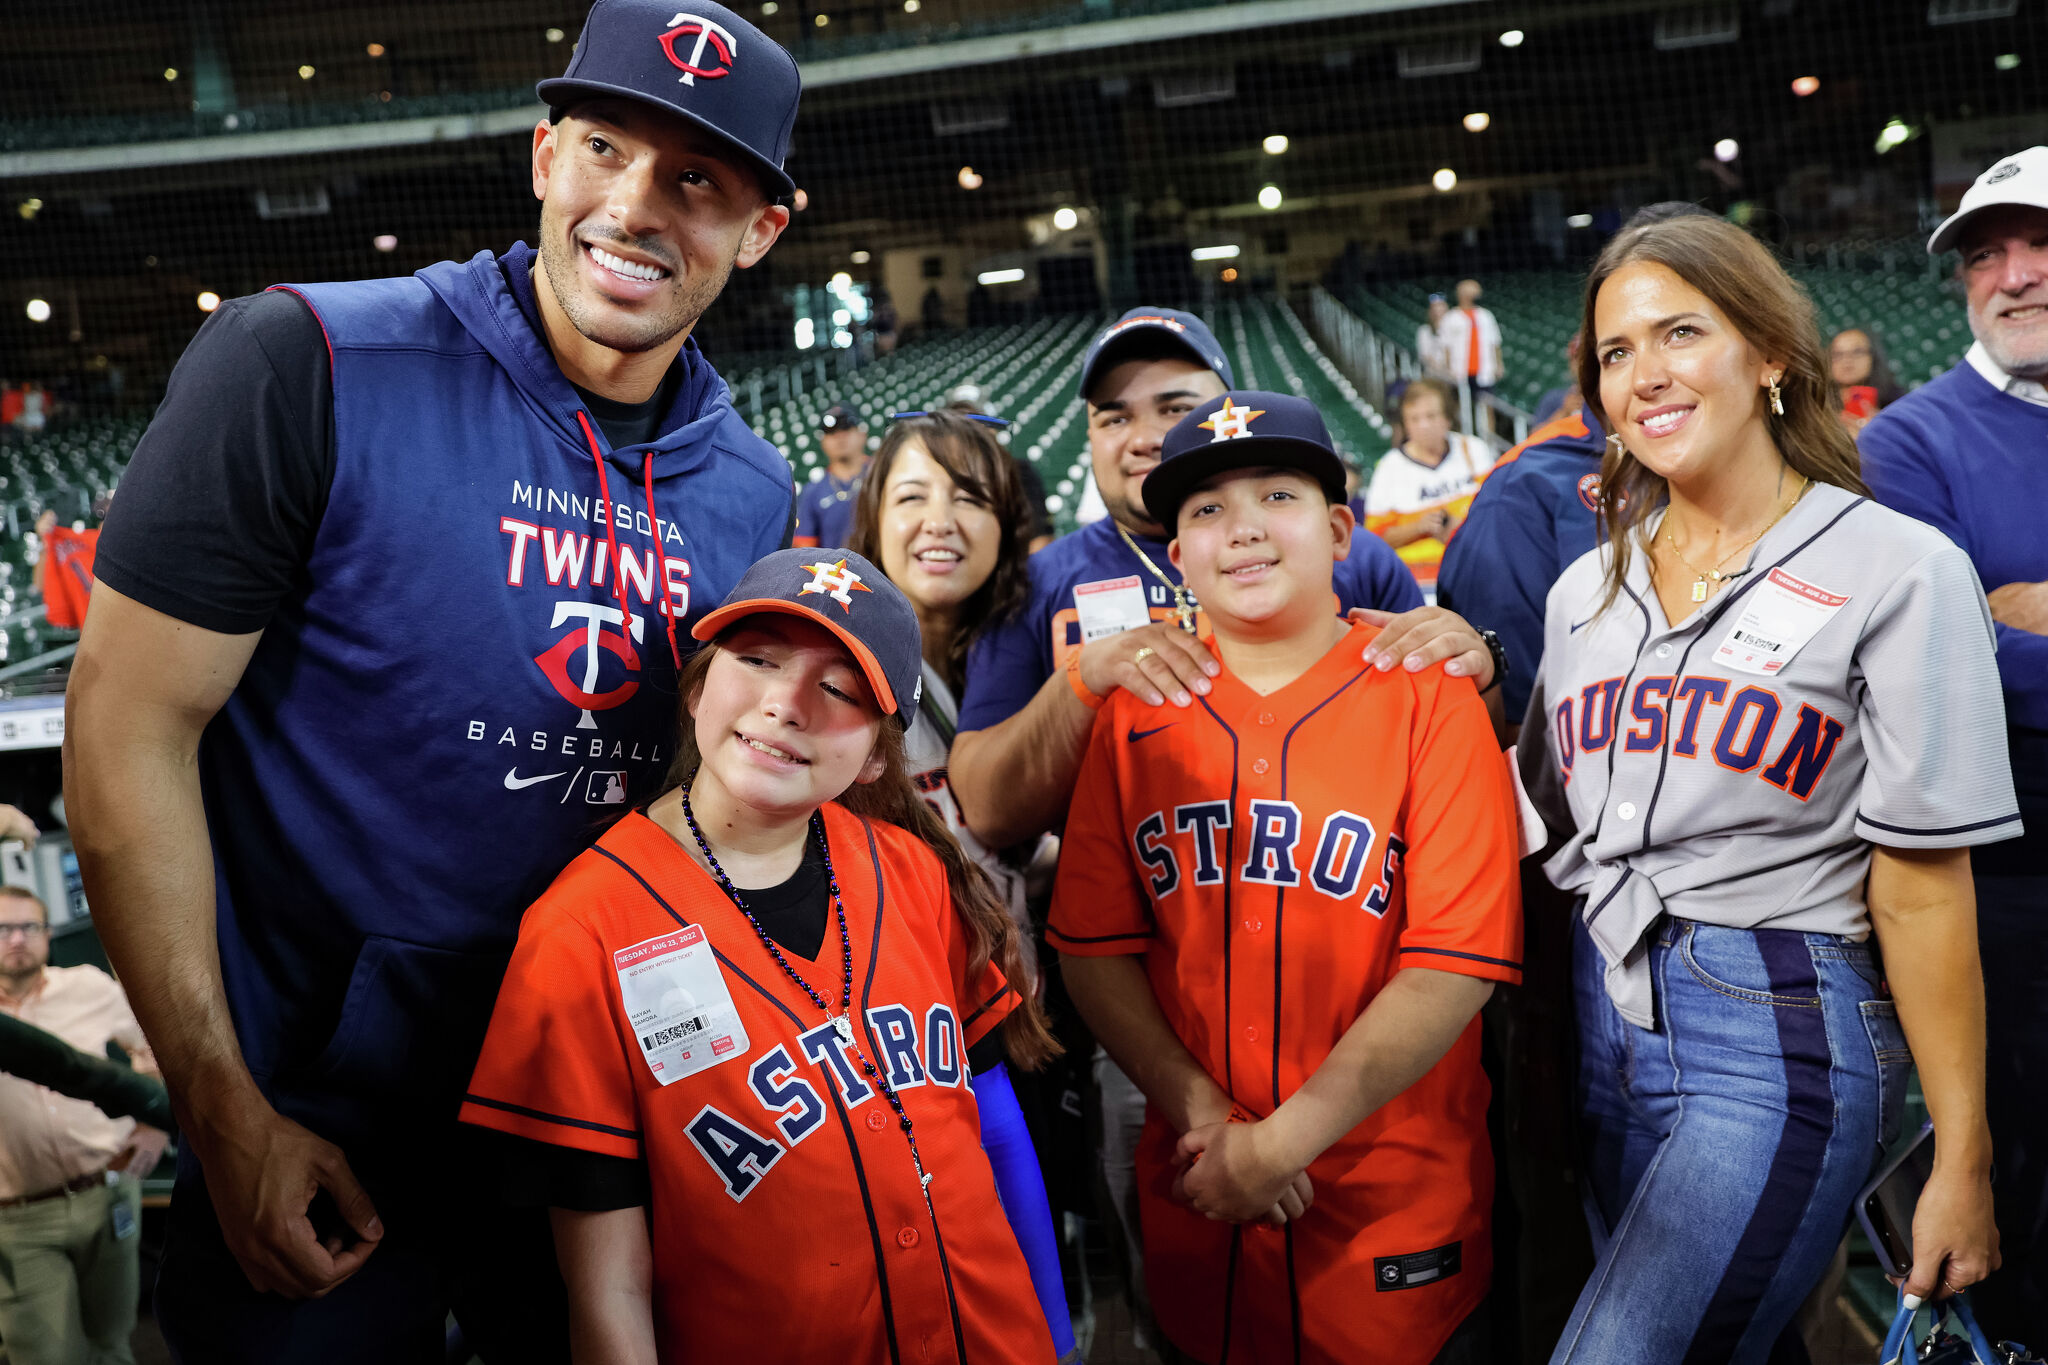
1765, 732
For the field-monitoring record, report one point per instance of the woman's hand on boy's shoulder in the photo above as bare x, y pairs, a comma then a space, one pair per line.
1154, 663
1427, 635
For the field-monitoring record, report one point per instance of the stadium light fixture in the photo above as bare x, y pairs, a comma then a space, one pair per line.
1014, 275
555, 35
28, 209
38, 310
170, 73
306, 73
801, 200
1805, 85
1276, 145
842, 317
1269, 197
1579, 220
1229, 274
861, 258
841, 282
1445, 180
385, 241
1727, 149
375, 49
910, 6
2006, 61
969, 178
1893, 134
1065, 219
1214, 253
1512, 38
1477, 122
806, 334
208, 301
822, 19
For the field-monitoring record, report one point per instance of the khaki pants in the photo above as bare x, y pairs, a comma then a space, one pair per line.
68, 1286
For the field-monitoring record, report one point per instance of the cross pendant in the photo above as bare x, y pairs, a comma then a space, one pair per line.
1699, 590
844, 1026
1182, 612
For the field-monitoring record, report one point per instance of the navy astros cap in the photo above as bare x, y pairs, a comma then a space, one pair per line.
706, 64
1244, 429
1146, 328
849, 597
838, 417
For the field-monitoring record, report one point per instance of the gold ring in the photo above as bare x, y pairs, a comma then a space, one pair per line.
1143, 654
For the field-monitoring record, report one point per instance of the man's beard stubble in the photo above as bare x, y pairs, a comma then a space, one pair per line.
646, 332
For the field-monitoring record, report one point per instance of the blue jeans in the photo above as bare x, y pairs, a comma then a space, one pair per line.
1723, 1150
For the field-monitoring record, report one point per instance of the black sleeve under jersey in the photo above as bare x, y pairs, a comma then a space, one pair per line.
530, 1174
216, 514
987, 1053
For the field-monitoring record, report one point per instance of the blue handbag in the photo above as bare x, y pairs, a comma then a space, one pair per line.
1944, 1347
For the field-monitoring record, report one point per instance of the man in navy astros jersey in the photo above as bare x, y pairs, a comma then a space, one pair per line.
824, 509
1967, 453
387, 626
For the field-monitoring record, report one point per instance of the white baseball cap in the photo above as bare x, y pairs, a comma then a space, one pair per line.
2021, 178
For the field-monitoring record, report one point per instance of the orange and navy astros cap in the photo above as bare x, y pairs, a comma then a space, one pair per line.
849, 597
1244, 429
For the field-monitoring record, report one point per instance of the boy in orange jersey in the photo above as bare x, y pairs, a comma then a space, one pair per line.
1280, 912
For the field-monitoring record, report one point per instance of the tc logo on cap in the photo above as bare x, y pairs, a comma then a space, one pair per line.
2005, 172
1231, 422
713, 35
835, 581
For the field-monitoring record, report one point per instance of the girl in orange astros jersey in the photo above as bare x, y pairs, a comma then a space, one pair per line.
733, 1051
1280, 911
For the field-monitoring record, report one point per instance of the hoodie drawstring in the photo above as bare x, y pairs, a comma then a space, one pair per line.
611, 539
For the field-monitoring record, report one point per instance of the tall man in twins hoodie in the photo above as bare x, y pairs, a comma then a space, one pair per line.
386, 629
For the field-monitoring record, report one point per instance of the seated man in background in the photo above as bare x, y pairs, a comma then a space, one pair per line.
1422, 488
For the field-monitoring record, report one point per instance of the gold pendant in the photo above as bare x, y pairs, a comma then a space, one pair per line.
1699, 590
1183, 613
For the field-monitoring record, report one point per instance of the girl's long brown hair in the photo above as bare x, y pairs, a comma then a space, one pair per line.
972, 457
1772, 313
893, 799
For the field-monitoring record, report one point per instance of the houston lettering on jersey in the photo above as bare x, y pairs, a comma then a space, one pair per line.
1700, 717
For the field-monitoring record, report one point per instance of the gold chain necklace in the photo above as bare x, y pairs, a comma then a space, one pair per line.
1183, 612
1701, 577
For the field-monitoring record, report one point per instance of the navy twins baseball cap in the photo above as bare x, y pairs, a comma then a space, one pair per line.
849, 597
1244, 429
706, 64
1153, 329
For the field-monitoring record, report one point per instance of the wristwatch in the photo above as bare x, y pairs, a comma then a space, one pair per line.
1500, 660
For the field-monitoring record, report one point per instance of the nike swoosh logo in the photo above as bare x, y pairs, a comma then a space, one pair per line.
513, 781
1575, 629
1135, 735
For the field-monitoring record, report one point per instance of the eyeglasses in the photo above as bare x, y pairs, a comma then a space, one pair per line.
980, 417
26, 928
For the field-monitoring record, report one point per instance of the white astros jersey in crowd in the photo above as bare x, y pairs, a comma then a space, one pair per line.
1735, 768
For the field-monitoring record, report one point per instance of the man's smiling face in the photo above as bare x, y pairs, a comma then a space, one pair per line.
643, 217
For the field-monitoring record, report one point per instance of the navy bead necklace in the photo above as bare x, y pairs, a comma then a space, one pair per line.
842, 1022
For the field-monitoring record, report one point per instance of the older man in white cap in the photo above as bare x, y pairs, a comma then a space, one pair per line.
1968, 453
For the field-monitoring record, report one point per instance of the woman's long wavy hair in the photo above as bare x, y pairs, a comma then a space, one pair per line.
972, 457
1741, 277
894, 799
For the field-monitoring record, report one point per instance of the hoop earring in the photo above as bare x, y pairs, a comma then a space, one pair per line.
1777, 399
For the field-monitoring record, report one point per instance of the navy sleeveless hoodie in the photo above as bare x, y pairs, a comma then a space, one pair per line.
476, 675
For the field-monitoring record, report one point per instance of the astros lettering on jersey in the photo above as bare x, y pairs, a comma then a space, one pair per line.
641, 1018
1277, 859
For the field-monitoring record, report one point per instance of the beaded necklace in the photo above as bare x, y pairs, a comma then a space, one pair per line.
842, 1022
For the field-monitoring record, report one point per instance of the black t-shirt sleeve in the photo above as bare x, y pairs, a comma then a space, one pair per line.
219, 506
529, 1174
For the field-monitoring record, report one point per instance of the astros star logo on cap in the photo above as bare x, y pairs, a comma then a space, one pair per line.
835, 581
716, 35
1231, 422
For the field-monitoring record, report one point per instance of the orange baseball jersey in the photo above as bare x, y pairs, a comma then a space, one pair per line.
66, 572
642, 1016
1276, 859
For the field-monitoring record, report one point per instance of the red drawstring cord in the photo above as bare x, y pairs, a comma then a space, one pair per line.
661, 557
611, 539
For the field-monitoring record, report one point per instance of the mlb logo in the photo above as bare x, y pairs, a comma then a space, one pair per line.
606, 789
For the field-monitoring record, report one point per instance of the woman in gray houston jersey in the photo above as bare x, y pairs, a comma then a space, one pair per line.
1767, 724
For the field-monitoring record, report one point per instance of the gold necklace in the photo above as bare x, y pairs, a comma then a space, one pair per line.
1701, 577
1183, 612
